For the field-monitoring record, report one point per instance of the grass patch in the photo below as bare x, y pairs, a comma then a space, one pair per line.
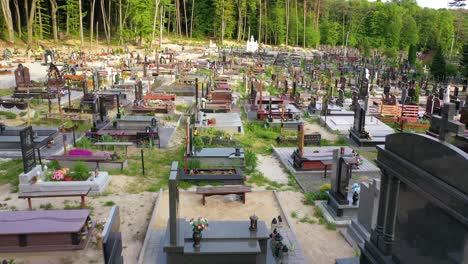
9, 172
307, 219
294, 214
6, 92
8, 115
109, 203
47, 206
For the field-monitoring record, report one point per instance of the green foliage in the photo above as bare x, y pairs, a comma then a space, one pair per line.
80, 171
194, 164
109, 203
294, 214
84, 143
9, 171
311, 197
439, 66
8, 115
54, 165
47, 206
464, 61
198, 143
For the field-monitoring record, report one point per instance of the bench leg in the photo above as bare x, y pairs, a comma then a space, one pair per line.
203, 200
243, 198
83, 202
29, 204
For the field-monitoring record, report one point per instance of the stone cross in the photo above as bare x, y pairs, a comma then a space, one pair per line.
445, 123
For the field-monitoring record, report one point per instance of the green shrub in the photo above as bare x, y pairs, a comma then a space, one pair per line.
84, 143
54, 165
250, 160
23, 113
194, 164
80, 171
318, 212
198, 143
311, 197
294, 214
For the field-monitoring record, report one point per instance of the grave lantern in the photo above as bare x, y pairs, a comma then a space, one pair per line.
253, 222
154, 122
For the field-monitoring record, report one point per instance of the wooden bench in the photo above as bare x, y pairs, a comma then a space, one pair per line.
224, 190
81, 193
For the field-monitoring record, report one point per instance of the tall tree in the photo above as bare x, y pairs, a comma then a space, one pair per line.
464, 63
53, 15
8, 19
91, 19
30, 18
412, 54
439, 66
81, 22
18, 18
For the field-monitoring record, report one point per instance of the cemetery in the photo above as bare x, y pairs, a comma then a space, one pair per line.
238, 132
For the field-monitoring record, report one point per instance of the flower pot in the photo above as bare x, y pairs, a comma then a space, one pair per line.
197, 236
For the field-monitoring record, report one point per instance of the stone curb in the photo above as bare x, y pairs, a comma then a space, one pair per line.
275, 153
148, 230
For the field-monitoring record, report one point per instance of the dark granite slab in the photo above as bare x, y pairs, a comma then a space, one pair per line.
221, 230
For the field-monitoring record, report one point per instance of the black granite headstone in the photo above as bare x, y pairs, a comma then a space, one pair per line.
27, 149
422, 216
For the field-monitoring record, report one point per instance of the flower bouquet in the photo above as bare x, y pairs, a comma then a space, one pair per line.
198, 225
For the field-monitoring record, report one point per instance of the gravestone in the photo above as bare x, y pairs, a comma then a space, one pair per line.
430, 105
338, 203
437, 109
22, 76
422, 216
340, 99
359, 230
27, 149
112, 238
444, 125
464, 115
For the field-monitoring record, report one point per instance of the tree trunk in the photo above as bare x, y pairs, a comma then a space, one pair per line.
18, 18
8, 20
185, 16
239, 19
191, 18
106, 20
304, 24
30, 20
91, 34
121, 24
156, 3
39, 16
260, 22
161, 26
81, 23
287, 21
53, 16
297, 24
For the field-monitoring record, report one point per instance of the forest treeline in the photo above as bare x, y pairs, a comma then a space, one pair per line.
391, 27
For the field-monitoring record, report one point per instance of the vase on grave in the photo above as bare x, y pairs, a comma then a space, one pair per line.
253, 222
196, 236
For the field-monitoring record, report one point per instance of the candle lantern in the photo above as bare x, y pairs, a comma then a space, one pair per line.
253, 222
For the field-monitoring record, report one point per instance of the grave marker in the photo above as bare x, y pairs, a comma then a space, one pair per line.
27, 149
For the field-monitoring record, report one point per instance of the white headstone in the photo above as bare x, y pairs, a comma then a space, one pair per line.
447, 95
252, 45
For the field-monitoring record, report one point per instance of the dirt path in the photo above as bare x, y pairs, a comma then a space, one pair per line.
314, 127
135, 210
271, 168
319, 244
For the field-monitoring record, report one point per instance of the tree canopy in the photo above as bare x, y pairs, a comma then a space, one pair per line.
391, 26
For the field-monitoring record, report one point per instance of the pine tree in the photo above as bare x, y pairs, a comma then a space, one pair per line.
412, 55
439, 66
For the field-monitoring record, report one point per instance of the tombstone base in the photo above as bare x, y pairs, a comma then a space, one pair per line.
356, 234
347, 261
363, 141
341, 211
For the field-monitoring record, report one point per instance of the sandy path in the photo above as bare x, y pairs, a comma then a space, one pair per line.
271, 168
319, 244
135, 211
314, 127
220, 208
